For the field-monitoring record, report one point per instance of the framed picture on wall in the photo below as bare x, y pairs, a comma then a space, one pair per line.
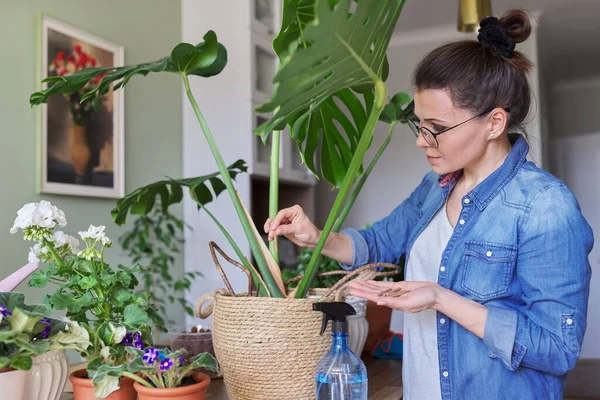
82, 148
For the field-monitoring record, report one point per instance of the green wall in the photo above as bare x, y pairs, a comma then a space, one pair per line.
148, 29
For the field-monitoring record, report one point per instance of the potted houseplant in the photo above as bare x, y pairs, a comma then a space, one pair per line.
99, 300
169, 375
332, 69
26, 332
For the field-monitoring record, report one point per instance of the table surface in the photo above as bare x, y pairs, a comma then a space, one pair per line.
385, 381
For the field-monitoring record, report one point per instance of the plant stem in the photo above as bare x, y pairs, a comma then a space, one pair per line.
246, 223
237, 251
50, 247
136, 378
274, 187
356, 191
361, 149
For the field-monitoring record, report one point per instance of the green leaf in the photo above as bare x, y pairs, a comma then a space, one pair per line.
205, 59
63, 301
12, 300
141, 201
206, 361
333, 53
134, 316
88, 282
22, 321
35, 347
38, 279
22, 363
399, 108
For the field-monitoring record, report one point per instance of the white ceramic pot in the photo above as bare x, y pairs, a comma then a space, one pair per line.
13, 385
358, 327
48, 375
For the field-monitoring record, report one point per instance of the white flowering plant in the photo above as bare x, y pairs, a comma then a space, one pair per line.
100, 299
27, 331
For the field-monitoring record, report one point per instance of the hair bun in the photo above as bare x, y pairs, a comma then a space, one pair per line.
493, 36
516, 24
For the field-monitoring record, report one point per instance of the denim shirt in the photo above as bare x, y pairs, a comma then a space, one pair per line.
520, 248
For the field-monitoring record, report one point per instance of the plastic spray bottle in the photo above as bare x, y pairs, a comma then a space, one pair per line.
340, 375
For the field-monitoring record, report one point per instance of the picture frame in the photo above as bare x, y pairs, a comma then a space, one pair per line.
81, 149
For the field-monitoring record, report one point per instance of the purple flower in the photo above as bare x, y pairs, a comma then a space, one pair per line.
180, 360
150, 355
4, 311
127, 340
166, 364
137, 341
45, 321
46, 332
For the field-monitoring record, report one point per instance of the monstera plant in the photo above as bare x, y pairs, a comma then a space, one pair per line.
329, 91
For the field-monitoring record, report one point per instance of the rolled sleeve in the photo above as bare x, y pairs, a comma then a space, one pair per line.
500, 334
360, 249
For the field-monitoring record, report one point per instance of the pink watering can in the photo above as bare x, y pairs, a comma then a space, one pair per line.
9, 283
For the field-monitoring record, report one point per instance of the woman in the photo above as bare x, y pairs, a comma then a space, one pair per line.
497, 271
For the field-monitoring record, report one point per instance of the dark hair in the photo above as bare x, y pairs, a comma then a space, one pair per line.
479, 78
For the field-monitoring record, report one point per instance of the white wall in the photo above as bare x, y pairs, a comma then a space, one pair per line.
225, 103
575, 107
402, 166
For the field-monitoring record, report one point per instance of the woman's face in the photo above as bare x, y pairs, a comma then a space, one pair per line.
458, 148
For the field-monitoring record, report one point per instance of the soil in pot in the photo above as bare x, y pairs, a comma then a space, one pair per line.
84, 390
194, 388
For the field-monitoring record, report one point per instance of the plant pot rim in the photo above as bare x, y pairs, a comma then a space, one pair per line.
202, 382
8, 369
76, 378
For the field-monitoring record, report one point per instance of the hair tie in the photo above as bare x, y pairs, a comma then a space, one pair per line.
493, 36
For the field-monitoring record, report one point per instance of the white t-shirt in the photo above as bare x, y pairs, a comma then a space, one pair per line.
420, 366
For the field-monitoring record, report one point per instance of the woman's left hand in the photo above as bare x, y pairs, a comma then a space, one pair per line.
420, 296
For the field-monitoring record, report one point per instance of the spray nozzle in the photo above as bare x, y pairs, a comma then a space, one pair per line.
336, 312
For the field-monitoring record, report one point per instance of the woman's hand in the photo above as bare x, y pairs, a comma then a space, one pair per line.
420, 295
295, 225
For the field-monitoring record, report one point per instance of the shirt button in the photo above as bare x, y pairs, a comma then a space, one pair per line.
489, 254
445, 373
569, 321
442, 268
467, 201
462, 222
442, 321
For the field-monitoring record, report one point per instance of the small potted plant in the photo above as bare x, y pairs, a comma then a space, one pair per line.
99, 299
26, 331
169, 375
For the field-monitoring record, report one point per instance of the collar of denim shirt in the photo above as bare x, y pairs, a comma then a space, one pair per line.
483, 193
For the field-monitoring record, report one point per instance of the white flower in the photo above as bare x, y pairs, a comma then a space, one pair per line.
37, 253
118, 332
41, 215
24, 217
96, 233
60, 239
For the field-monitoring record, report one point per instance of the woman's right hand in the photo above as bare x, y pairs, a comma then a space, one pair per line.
294, 224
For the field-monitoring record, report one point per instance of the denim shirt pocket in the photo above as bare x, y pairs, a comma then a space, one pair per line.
487, 269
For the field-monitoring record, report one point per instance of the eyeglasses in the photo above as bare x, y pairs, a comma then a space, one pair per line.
431, 137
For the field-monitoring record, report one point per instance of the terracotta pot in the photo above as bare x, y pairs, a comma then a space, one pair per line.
12, 383
84, 390
197, 391
379, 318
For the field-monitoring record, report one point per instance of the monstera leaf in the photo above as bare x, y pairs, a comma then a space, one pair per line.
142, 200
205, 59
322, 55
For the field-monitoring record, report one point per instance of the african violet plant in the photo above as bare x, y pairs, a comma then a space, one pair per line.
332, 70
157, 368
27, 331
98, 299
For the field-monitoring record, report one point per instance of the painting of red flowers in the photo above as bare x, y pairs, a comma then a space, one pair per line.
81, 142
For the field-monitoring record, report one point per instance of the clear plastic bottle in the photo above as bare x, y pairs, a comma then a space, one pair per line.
340, 375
